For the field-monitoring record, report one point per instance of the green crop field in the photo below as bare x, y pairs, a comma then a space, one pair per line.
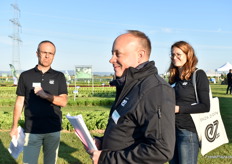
94, 106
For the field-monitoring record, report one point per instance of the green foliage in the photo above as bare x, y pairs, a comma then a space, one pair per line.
93, 91
87, 96
94, 120
6, 120
9, 102
96, 117
90, 101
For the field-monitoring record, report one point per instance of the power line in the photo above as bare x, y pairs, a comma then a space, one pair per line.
15, 36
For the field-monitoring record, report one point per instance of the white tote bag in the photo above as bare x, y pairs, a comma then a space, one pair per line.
210, 128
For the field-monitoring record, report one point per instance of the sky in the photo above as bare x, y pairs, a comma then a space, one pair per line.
84, 31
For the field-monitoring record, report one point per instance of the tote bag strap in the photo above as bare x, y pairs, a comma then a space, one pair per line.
195, 86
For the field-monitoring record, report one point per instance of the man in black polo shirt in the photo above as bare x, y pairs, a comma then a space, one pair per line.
42, 92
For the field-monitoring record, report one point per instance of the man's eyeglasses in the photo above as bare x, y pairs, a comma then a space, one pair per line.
46, 53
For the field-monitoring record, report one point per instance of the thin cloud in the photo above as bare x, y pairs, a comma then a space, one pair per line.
214, 47
203, 31
167, 30
93, 21
156, 29
179, 30
63, 35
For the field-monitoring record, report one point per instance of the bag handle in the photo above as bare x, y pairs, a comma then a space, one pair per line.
195, 86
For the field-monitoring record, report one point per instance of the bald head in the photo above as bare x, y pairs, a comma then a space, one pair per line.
143, 40
130, 50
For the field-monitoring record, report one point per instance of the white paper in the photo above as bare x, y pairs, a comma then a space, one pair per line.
82, 131
36, 84
16, 144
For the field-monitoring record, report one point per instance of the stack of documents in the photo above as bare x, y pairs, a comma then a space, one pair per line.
16, 144
82, 131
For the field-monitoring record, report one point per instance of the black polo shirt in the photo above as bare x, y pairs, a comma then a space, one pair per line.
41, 116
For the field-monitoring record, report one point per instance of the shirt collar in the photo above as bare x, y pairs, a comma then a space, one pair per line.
120, 81
37, 70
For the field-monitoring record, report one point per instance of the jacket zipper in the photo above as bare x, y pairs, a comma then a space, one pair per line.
159, 120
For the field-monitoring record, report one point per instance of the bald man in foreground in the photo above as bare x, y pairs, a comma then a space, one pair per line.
141, 126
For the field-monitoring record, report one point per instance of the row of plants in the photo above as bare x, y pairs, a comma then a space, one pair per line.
92, 91
86, 96
97, 81
94, 120
9, 92
4, 102
90, 102
93, 95
81, 101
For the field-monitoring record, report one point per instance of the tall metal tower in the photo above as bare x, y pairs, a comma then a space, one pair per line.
17, 28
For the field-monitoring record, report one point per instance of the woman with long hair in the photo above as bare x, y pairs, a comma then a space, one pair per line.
182, 66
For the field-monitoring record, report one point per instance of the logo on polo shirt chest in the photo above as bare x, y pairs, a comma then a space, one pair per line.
51, 81
185, 83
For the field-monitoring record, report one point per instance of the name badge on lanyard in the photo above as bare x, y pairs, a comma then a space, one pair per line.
173, 85
115, 116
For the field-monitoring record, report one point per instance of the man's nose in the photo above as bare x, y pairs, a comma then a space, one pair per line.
112, 59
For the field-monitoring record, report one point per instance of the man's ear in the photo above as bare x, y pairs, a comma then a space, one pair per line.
141, 56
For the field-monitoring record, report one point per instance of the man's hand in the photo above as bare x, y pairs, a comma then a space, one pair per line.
40, 92
95, 154
97, 143
14, 132
177, 109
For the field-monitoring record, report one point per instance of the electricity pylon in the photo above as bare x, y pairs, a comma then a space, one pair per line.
16, 38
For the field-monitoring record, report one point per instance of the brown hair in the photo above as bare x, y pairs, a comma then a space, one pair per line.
189, 67
145, 41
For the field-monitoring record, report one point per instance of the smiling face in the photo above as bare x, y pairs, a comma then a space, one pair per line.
45, 55
126, 53
179, 58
